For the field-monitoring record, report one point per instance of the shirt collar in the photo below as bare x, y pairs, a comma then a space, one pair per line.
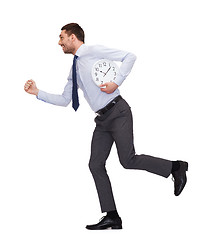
80, 50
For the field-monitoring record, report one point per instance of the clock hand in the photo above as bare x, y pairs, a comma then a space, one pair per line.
107, 71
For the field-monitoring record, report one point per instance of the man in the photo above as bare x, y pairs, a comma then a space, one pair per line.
113, 122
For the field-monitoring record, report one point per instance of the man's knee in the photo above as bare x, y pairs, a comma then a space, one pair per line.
96, 168
125, 164
129, 162
91, 166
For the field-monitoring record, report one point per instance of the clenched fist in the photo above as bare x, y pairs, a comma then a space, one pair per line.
30, 87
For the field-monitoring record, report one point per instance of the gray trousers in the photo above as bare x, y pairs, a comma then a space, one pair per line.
116, 125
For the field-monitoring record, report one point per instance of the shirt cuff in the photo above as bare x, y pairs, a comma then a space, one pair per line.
40, 96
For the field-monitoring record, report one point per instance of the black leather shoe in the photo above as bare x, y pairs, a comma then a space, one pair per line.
180, 178
106, 223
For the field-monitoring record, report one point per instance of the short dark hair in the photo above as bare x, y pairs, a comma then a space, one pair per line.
74, 28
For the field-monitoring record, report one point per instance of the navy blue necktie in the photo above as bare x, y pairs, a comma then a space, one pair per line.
75, 98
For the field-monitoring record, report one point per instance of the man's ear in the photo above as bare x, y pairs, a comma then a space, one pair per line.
73, 37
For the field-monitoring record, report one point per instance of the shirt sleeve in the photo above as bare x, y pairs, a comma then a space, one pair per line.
127, 59
59, 100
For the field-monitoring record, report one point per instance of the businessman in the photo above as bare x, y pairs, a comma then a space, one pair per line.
114, 121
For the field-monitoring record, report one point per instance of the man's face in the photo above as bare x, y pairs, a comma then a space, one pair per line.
66, 42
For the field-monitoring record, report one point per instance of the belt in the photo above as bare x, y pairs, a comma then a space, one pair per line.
108, 106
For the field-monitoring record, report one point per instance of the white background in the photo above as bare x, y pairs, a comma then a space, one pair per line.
46, 189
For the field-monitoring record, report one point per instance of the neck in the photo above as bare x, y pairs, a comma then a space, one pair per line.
78, 45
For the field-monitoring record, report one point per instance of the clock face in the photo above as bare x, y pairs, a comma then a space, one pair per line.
104, 71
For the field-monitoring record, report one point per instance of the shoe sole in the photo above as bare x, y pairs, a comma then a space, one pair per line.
115, 227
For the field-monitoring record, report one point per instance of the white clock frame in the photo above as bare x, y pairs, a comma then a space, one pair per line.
104, 70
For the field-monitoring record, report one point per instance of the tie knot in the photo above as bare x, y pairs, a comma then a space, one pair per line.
75, 57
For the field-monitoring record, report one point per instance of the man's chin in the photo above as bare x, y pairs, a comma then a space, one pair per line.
67, 52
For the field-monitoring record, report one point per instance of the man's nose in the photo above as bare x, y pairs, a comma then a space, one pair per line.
59, 42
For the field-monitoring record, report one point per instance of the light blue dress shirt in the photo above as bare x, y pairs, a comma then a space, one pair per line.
87, 56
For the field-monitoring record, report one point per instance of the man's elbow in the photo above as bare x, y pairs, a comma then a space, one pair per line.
130, 58
133, 57
65, 101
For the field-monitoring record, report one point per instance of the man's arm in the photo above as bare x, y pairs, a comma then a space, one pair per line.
127, 59
59, 100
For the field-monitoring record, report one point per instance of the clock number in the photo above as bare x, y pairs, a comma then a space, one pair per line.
113, 68
104, 64
114, 73
97, 79
96, 74
100, 65
97, 69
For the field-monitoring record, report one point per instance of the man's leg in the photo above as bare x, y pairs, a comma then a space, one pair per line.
100, 148
122, 132
117, 125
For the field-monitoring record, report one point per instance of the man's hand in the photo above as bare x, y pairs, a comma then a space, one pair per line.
30, 87
108, 87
